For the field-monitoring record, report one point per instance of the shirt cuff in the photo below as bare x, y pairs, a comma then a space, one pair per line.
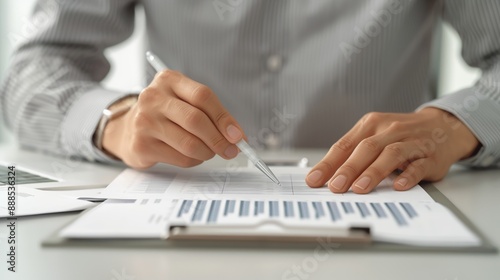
481, 115
81, 121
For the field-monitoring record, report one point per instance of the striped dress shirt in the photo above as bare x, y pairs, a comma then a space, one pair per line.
294, 73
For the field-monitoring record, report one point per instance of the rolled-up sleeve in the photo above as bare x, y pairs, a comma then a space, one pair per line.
478, 107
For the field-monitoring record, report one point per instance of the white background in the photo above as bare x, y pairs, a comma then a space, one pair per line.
128, 62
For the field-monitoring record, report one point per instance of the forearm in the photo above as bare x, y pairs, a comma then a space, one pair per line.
51, 104
478, 107
52, 98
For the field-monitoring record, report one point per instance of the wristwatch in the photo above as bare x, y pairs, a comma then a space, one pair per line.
116, 109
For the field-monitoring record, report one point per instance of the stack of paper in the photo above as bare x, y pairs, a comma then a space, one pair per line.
35, 202
218, 202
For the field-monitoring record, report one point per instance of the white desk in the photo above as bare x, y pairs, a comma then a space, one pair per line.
475, 193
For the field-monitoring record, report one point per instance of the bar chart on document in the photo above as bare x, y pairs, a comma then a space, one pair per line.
243, 201
223, 211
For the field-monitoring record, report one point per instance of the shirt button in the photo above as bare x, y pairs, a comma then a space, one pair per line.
274, 63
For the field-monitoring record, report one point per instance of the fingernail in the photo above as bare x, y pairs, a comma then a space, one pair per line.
402, 182
339, 182
231, 151
315, 176
233, 132
363, 183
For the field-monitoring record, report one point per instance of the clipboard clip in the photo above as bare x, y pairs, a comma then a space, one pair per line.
269, 231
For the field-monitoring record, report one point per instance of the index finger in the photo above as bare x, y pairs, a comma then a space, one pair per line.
204, 99
336, 156
325, 169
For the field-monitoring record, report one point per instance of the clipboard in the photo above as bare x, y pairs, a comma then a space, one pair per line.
356, 238
353, 235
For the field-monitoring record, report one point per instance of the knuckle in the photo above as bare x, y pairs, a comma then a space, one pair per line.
325, 165
345, 144
396, 126
349, 168
414, 178
403, 163
149, 95
219, 119
169, 75
416, 154
193, 118
417, 170
372, 118
377, 172
218, 142
189, 146
201, 94
172, 104
394, 150
370, 144
426, 147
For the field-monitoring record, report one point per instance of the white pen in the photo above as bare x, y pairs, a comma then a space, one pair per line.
158, 65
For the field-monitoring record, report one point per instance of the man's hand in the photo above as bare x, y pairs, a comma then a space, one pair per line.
423, 145
176, 121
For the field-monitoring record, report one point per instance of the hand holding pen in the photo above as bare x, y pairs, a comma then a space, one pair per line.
242, 144
175, 120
